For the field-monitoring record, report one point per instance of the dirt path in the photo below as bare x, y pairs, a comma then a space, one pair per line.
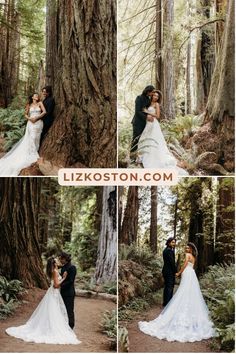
140, 342
88, 317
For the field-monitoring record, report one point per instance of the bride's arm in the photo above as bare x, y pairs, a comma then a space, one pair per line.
27, 112
187, 258
158, 111
56, 281
40, 116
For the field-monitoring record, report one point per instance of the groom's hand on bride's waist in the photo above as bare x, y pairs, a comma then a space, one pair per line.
150, 118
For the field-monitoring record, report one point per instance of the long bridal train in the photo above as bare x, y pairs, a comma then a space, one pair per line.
25, 152
185, 318
48, 323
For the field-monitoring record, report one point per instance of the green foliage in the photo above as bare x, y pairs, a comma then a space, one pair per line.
109, 326
12, 123
110, 288
141, 255
181, 127
138, 305
125, 138
9, 289
218, 288
123, 339
7, 309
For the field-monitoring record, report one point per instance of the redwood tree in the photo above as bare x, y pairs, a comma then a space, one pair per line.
129, 229
107, 247
84, 82
20, 255
219, 116
153, 226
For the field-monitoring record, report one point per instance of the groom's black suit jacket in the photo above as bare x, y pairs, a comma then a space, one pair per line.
49, 104
139, 119
68, 285
169, 268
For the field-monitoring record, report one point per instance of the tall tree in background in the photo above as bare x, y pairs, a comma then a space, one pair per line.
167, 83
20, 255
225, 219
153, 225
158, 44
220, 106
129, 229
84, 82
9, 54
220, 113
107, 246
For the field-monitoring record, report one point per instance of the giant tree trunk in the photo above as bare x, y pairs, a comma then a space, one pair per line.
217, 134
84, 130
129, 229
220, 106
107, 246
167, 60
20, 256
158, 44
153, 226
9, 54
225, 221
51, 41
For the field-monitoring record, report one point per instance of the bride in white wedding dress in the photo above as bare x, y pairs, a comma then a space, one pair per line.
25, 152
185, 318
152, 148
49, 322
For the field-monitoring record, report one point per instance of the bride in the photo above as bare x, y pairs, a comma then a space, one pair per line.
185, 318
49, 322
152, 148
25, 152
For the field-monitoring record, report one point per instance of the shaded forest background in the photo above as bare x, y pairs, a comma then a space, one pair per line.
199, 210
70, 46
186, 50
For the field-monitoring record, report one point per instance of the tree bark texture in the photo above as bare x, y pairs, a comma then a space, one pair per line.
129, 229
84, 129
20, 255
107, 247
153, 226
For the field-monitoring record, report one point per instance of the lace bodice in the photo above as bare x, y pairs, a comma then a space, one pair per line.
34, 111
190, 264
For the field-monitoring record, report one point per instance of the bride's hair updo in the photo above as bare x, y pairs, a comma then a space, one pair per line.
193, 248
51, 262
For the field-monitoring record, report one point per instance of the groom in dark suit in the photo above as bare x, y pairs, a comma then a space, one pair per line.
67, 286
139, 119
49, 104
169, 270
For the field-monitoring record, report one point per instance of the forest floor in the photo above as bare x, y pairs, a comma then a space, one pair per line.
142, 343
88, 316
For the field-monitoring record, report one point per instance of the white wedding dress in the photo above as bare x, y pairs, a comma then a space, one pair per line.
152, 148
185, 318
25, 152
48, 323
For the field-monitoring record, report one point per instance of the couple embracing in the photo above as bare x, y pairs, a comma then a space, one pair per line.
148, 145
39, 116
53, 320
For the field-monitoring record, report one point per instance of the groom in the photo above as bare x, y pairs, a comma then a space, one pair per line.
139, 119
169, 270
49, 104
67, 286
